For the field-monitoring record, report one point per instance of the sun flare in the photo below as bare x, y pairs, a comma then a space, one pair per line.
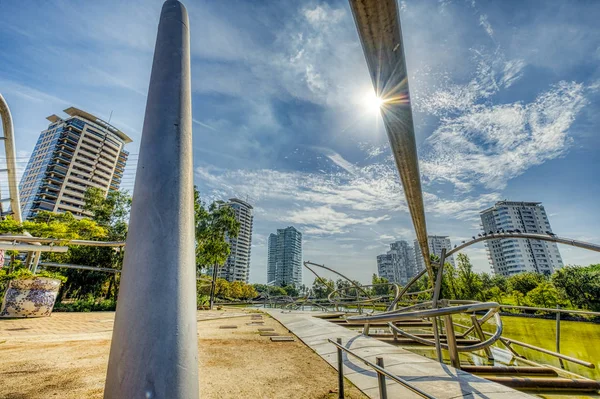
372, 102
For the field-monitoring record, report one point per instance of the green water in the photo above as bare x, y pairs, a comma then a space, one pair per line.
577, 339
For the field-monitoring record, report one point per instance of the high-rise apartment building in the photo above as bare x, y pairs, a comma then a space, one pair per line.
237, 266
436, 243
70, 156
517, 255
284, 263
398, 264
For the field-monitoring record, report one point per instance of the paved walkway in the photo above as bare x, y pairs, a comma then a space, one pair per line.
438, 380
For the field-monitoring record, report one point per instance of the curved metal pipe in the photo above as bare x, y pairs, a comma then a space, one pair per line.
534, 236
333, 271
397, 315
11, 159
378, 26
461, 348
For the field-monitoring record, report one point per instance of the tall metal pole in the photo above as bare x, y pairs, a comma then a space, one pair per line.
378, 25
11, 163
154, 350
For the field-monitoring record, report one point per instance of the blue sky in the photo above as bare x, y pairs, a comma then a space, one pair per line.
505, 98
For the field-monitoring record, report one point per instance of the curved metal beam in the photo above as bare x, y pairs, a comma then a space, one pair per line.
378, 25
11, 163
338, 273
534, 236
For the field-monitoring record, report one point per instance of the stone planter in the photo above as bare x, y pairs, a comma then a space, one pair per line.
32, 297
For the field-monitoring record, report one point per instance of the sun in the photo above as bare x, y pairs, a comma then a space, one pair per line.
372, 102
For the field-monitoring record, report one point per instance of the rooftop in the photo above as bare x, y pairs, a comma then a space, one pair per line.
72, 111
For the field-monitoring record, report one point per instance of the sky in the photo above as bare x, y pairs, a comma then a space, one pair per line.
505, 97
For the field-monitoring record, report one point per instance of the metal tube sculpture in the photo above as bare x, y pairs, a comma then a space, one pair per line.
154, 350
11, 163
379, 30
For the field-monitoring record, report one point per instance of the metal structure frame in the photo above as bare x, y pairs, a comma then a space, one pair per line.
11, 162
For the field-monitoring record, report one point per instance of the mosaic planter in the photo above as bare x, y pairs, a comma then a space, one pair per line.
33, 297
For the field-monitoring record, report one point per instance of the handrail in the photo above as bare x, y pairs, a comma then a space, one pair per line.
381, 370
80, 267
568, 311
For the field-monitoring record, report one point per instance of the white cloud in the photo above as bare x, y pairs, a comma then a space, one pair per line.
490, 144
324, 220
483, 21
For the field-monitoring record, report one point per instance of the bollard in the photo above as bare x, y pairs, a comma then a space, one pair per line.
381, 379
340, 360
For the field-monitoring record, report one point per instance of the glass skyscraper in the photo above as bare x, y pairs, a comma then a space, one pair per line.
284, 263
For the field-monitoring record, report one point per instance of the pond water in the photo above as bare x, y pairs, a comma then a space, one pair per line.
577, 339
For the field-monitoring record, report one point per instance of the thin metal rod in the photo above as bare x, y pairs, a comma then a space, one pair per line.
154, 348
451, 339
481, 336
36, 248
213, 285
340, 361
89, 243
378, 369
381, 379
80, 267
436, 295
338, 273
558, 310
558, 336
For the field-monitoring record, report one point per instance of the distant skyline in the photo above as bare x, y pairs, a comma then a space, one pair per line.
505, 98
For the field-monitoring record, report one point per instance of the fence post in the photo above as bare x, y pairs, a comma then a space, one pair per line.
562, 366
451, 340
381, 379
340, 360
481, 336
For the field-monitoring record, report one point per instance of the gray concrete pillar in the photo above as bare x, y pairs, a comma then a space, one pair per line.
154, 350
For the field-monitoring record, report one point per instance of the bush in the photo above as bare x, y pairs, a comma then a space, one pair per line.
88, 304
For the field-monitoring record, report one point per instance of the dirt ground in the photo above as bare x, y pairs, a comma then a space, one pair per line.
233, 363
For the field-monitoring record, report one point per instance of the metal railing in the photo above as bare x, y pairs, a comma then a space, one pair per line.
382, 373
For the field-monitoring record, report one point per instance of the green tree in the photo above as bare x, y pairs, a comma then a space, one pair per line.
110, 211
322, 287
213, 224
10, 226
469, 283
380, 287
291, 290
544, 295
524, 282
580, 285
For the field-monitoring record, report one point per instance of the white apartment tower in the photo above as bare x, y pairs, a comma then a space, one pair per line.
517, 255
398, 264
70, 156
436, 244
237, 266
